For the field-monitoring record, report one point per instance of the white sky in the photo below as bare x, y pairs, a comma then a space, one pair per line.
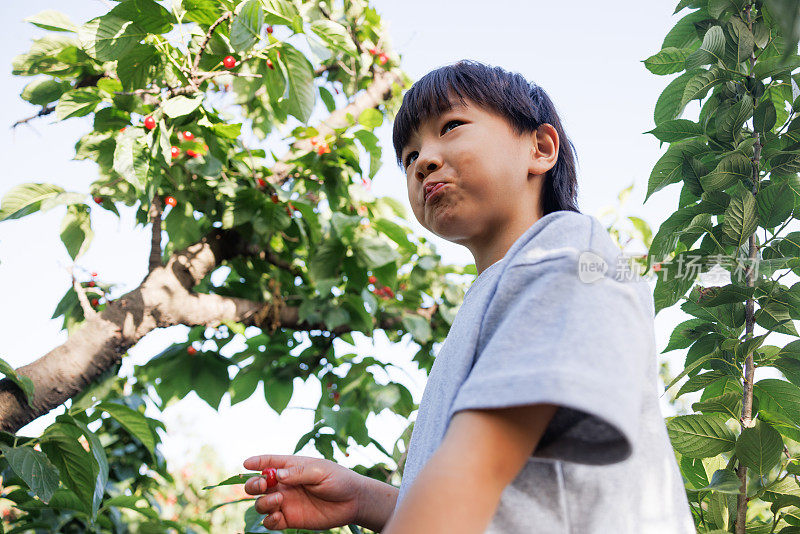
586, 55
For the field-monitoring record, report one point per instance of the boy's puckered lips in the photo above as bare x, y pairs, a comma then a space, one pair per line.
429, 186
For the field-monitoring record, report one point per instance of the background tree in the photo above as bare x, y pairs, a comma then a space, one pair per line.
738, 455
309, 255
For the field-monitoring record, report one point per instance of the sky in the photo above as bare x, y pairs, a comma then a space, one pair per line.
586, 55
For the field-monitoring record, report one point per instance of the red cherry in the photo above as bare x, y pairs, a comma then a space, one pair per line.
191, 153
383, 58
188, 136
229, 62
261, 182
270, 65
372, 279
95, 302
272, 479
389, 292
403, 287
373, 51
288, 211
336, 396
171, 201
323, 149
94, 274
122, 129
335, 90
269, 29
99, 200
191, 350
657, 267
175, 151
149, 122
91, 283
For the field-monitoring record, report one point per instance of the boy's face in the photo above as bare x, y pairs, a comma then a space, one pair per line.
493, 176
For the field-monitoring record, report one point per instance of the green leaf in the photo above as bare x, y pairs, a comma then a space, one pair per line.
246, 26
132, 421
335, 35
132, 161
729, 403
724, 481
327, 98
52, 20
744, 40
24, 382
234, 480
667, 61
300, 91
700, 435
76, 230
370, 118
34, 469
780, 397
668, 169
77, 467
210, 378
699, 85
759, 447
149, 15
741, 219
765, 116
109, 37
730, 123
775, 316
370, 143
228, 131
372, 252
419, 327
669, 105
77, 103
280, 12
775, 204
278, 393
790, 367
734, 167
675, 130
180, 105
711, 51
137, 67
99, 454
43, 91
25, 199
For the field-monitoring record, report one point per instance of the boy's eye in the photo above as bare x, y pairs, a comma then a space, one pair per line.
408, 158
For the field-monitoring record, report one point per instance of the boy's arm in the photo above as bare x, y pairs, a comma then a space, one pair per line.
459, 488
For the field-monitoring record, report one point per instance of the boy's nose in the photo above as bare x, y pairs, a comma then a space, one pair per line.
426, 168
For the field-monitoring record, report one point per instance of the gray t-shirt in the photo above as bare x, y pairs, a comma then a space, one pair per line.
531, 330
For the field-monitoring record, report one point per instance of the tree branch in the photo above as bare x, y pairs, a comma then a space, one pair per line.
46, 110
155, 241
204, 44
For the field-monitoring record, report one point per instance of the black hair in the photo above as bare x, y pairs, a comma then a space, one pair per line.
524, 105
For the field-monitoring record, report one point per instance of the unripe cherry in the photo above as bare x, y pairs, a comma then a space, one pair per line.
149, 122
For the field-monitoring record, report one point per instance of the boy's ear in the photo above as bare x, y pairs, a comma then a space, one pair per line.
544, 149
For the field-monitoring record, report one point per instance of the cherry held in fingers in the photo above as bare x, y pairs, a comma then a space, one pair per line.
272, 479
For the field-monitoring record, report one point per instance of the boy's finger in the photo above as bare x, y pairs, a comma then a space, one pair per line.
266, 460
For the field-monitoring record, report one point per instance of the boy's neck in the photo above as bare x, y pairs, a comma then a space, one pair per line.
496, 246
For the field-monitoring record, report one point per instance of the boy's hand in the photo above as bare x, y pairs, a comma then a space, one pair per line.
311, 493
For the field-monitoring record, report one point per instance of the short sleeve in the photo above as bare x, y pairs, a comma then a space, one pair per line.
549, 337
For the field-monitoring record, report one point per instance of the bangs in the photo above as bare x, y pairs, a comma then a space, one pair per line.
439, 90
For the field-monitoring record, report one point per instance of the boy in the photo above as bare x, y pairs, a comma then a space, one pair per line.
540, 413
